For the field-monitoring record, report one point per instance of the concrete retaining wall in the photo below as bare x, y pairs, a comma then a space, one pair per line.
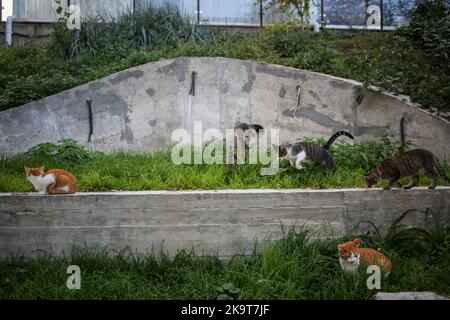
139, 108
226, 221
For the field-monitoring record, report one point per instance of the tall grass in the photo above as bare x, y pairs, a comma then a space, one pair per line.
295, 267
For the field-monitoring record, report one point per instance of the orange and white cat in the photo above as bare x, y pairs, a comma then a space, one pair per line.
353, 259
54, 181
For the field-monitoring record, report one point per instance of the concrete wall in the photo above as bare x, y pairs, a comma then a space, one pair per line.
139, 108
27, 32
226, 221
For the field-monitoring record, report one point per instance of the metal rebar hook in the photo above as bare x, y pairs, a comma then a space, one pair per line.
192, 91
190, 101
295, 108
91, 126
402, 135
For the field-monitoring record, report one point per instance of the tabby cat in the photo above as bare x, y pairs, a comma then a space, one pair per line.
354, 259
52, 182
412, 163
301, 151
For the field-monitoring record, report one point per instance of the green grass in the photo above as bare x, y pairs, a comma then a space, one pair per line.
124, 171
389, 60
294, 267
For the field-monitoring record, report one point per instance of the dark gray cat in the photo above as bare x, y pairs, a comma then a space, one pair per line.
412, 164
245, 126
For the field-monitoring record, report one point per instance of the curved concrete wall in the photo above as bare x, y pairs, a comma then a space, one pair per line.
139, 108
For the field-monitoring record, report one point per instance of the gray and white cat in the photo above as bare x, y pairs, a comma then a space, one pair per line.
298, 152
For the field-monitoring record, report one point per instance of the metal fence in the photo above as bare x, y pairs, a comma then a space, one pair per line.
355, 14
328, 13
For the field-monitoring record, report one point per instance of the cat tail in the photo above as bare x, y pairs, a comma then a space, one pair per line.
257, 127
441, 171
335, 136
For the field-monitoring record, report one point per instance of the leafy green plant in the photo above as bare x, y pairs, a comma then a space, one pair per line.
368, 154
227, 292
67, 150
432, 239
429, 29
286, 39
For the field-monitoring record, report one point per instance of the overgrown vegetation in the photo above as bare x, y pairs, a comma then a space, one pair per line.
413, 60
97, 171
294, 267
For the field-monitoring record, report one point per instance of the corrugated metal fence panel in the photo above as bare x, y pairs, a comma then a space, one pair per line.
159, 3
344, 13
231, 12
92, 8
188, 7
36, 10
45, 10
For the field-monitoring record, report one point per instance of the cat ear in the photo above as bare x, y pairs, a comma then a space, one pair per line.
27, 170
357, 241
42, 168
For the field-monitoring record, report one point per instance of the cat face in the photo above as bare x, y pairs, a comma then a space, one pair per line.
372, 178
282, 152
35, 171
348, 249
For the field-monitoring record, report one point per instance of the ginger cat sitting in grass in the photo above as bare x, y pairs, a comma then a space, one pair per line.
353, 259
54, 181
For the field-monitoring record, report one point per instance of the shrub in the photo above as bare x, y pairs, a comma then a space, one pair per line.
429, 29
68, 151
150, 26
368, 154
433, 238
285, 39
